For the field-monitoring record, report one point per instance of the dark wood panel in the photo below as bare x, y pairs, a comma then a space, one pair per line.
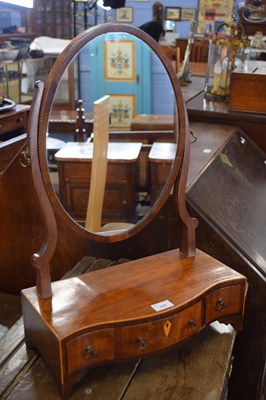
235, 183
21, 231
229, 199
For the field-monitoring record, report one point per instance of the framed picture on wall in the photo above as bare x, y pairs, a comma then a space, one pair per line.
213, 13
124, 14
172, 13
188, 13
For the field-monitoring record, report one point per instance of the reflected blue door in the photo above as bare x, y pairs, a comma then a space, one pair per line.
133, 91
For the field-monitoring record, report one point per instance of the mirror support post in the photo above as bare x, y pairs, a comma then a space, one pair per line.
189, 224
41, 260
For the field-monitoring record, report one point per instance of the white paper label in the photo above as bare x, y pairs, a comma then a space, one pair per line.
162, 305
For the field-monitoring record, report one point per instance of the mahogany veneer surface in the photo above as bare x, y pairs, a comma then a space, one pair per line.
14, 122
80, 327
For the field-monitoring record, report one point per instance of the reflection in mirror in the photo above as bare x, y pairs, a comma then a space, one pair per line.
141, 106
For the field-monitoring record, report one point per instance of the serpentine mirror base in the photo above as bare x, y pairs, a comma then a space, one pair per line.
166, 298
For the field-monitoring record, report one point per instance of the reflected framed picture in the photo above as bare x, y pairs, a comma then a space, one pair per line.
122, 110
188, 14
173, 13
124, 14
119, 61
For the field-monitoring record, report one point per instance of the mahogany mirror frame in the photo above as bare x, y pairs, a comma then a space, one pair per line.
53, 80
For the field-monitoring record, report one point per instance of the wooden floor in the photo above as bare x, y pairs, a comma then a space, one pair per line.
10, 310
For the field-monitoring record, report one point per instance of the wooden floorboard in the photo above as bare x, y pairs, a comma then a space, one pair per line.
10, 309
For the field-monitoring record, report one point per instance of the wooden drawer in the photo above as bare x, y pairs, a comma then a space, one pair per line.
119, 202
148, 337
76, 171
11, 123
89, 349
222, 302
81, 171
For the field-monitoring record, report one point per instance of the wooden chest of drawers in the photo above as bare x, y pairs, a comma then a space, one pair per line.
147, 318
74, 166
14, 122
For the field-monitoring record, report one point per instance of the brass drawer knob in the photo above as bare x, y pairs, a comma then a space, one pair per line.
221, 304
142, 343
90, 352
192, 324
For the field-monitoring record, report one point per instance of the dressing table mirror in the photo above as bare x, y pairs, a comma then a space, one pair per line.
125, 68
137, 308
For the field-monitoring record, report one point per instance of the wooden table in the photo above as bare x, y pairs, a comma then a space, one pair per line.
74, 167
253, 124
14, 122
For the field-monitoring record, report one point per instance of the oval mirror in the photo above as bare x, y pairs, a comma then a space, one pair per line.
132, 101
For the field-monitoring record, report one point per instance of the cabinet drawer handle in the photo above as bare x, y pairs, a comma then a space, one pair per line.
142, 343
221, 304
90, 352
192, 324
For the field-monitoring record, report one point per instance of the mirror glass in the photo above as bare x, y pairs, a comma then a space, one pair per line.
141, 106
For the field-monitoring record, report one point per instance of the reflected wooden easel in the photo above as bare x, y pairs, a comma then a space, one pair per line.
93, 221
99, 164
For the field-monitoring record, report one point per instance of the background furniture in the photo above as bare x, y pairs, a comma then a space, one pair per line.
52, 18
74, 165
229, 198
18, 79
14, 122
199, 49
253, 124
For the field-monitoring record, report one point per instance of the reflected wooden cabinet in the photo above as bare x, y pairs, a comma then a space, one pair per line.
74, 167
